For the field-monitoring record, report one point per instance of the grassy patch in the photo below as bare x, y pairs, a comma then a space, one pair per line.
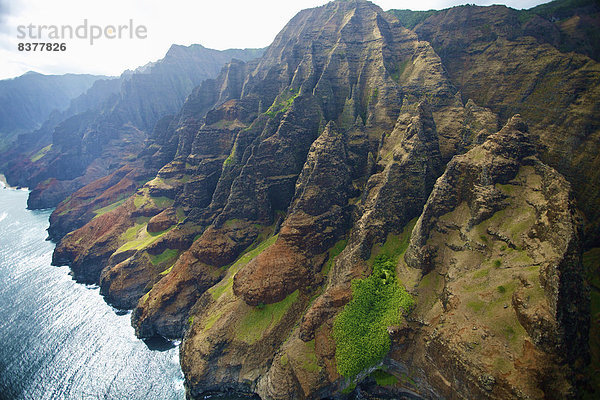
482, 273
137, 237
519, 256
333, 253
231, 156
395, 245
139, 201
430, 288
509, 333
227, 283
501, 365
401, 68
284, 360
210, 321
502, 296
143, 198
166, 255
510, 329
476, 305
145, 240
217, 291
506, 189
383, 378
110, 207
409, 18
37, 156
162, 201
309, 362
282, 104
259, 320
407, 380
166, 271
360, 330
132, 232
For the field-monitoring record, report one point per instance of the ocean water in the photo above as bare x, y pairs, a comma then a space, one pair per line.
58, 338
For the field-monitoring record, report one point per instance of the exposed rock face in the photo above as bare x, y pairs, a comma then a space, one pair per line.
410, 160
87, 249
86, 203
245, 218
318, 217
94, 143
164, 310
498, 245
497, 63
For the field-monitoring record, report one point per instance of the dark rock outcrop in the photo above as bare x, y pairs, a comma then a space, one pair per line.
317, 218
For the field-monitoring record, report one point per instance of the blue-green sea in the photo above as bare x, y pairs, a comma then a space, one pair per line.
58, 338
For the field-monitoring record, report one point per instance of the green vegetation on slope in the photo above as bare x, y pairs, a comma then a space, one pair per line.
227, 283
41, 153
555, 10
166, 255
395, 245
143, 197
259, 319
409, 18
137, 237
383, 378
231, 156
335, 251
360, 330
110, 207
282, 104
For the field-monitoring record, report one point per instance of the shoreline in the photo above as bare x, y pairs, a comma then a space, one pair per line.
75, 336
4, 184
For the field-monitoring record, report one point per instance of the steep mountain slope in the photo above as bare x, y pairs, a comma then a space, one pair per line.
499, 63
33, 145
28, 100
499, 241
88, 145
351, 211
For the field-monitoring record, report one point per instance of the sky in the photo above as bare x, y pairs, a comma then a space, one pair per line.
219, 24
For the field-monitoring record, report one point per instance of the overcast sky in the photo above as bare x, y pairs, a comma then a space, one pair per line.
219, 24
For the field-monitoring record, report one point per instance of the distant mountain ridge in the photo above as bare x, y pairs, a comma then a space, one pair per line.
27, 101
119, 112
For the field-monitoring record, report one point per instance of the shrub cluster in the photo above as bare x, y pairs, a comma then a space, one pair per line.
360, 330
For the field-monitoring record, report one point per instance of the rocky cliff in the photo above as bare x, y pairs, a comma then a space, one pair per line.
512, 67
364, 208
105, 129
